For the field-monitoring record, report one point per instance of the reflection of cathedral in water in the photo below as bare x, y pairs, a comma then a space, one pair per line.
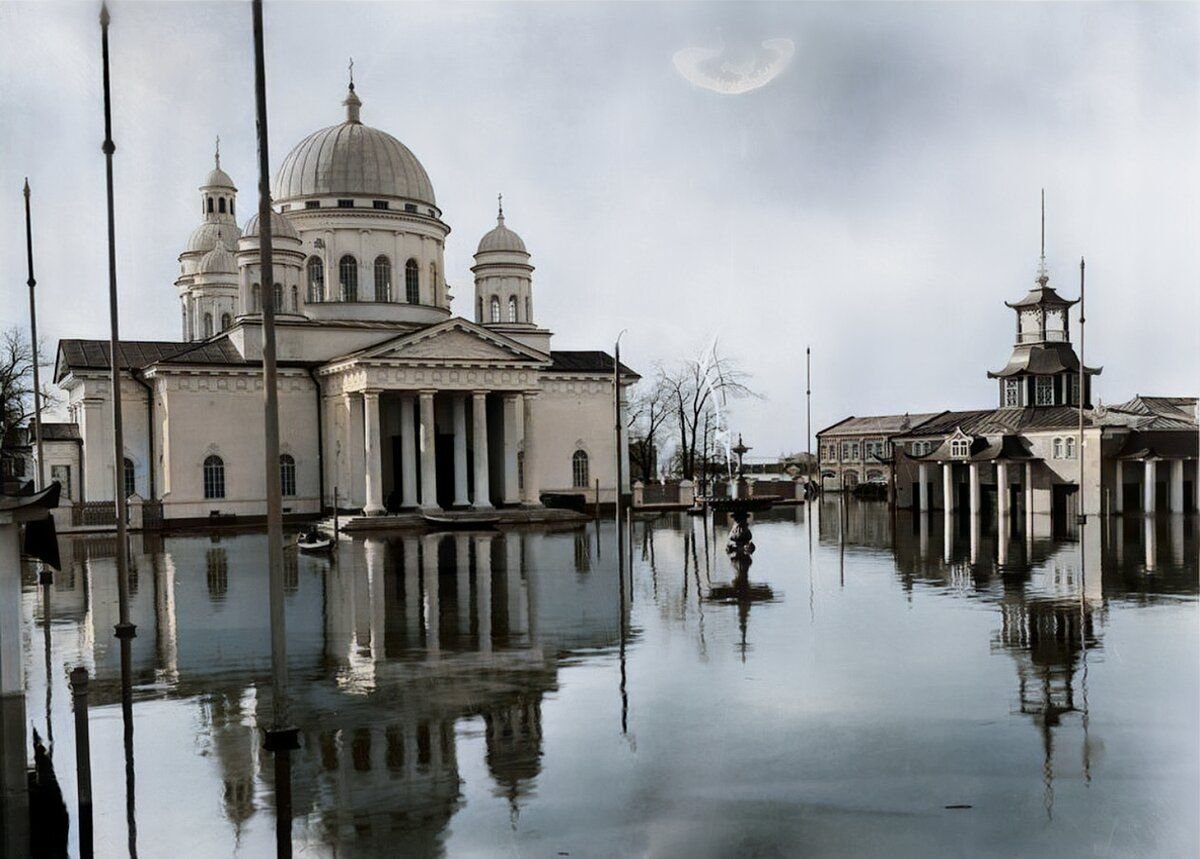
393, 650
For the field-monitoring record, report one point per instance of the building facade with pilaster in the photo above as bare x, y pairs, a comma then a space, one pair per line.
389, 399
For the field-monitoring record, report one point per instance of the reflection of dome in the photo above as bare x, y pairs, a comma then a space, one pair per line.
281, 228
501, 238
352, 158
217, 261
204, 237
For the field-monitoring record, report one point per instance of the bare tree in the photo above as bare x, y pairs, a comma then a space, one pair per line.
648, 413
699, 389
16, 382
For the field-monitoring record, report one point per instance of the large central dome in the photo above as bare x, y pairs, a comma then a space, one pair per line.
352, 159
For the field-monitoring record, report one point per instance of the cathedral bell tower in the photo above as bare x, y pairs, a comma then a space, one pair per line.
504, 286
207, 281
1044, 369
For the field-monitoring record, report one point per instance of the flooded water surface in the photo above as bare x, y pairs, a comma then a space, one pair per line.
879, 686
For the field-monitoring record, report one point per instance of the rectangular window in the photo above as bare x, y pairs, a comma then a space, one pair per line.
380, 204
62, 473
1012, 392
1074, 401
410, 207
312, 204
854, 450
345, 204
1045, 390
1058, 448
285, 208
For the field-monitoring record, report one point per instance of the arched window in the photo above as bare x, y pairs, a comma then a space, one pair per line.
512, 308
277, 297
579, 469
231, 205
208, 329
295, 298
412, 282
210, 206
316, 280
129, 477
226, 321
1058, 448
287, 475
214, 477
495, 317
383, 279
960, 448
348, 277
221, 205
1069, 444
521, 470
255, 306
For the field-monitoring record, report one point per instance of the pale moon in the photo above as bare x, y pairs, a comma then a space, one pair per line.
733, 72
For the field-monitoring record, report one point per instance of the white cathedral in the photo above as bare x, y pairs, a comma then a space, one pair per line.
388, 400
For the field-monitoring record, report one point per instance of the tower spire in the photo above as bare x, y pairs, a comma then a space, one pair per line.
1043, 278
217, 155
500, 208
352, 102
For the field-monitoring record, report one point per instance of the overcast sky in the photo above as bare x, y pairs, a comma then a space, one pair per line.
878, 199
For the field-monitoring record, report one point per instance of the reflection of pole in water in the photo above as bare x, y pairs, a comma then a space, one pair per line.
46, 578
1151, 536
127, 720
621, 593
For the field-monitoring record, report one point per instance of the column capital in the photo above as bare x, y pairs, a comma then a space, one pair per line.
426, 393
480, 392
530, 394
511, 396
350, 395
372, 393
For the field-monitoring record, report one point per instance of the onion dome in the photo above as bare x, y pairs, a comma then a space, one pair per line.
501, 238
219, 260
281, 228
352, 159
204, 237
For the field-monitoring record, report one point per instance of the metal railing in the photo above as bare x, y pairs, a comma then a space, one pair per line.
94, 513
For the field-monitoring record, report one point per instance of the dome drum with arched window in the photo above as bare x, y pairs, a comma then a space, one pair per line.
504, 285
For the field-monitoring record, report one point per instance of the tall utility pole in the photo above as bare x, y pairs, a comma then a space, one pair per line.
617, 439
280, 729
1082, 518
40, 476
124, 628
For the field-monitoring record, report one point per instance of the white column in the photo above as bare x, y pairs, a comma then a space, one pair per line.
923, 487
1148, 486
948, 486
374, 456
1028, 501
408, 454
1002, 496
947, 534
512, 494
483, 492
461, 498
529, 450
354, 453
974, 471
12, 682
428, 453
483, 590
1151, 539
1176, 493
1119, 488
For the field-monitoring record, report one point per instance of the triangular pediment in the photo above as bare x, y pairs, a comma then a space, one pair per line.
454, 340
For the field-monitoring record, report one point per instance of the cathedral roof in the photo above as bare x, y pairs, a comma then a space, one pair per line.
352, 158
217, 261
501, 238
204, 237
281, 227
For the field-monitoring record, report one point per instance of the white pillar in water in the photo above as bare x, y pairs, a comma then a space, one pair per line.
373, 467
433, 608
974, 476
1002, 506
948, 499
923, 487
12, 679
1176, 477
428, 453
459, 404
1149, 487
483, 492
408, 454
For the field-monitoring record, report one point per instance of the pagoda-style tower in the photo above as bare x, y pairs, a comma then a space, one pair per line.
1043, 369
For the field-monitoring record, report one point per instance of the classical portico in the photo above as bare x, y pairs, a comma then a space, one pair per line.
434, 419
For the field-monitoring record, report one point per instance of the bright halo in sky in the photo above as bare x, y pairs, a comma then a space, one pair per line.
731, 71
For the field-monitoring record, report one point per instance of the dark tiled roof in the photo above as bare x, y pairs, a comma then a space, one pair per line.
586, 362
986, 449
1042, 359
877, 424
1161, 412
1040, 295
23, 436
139, 354
1165, 443
1003, 421
219, 351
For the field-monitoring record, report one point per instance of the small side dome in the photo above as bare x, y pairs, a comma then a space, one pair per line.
217, 261
218, 178
204, 237
501, 238
281, 228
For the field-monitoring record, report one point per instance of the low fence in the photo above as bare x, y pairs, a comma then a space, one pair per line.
103, 514
660, 493
94, 513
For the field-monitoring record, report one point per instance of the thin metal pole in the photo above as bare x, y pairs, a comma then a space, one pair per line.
83, 759
124, 629
617, 431
33, 345
808, 409
1082, 516
280, 721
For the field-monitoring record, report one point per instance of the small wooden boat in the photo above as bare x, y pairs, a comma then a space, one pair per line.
462, 521
314, 543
